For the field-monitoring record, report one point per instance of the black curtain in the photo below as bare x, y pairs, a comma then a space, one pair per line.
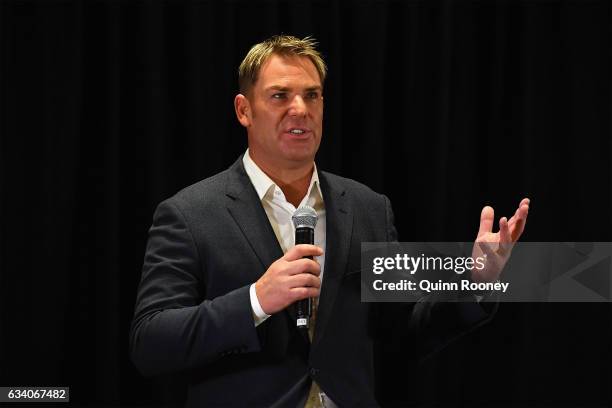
109, 107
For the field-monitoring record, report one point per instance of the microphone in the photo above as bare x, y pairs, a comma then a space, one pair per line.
304, 220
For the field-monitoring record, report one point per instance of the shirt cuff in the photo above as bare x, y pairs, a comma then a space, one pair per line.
259, 316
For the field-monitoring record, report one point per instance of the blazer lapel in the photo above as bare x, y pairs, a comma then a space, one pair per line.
339, 230
246, 209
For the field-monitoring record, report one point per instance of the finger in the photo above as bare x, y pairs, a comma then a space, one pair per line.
302, 250
304, 280
518, 226
303, 265
304, 293
521, 212
486, 220
504, 231
505, 238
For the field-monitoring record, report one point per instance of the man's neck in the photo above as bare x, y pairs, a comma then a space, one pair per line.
293, 181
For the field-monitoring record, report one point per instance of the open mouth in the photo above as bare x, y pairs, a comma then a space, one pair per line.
298, 132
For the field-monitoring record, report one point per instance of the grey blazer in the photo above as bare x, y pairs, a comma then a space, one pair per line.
193, 316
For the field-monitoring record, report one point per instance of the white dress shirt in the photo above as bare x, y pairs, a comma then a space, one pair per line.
279, 212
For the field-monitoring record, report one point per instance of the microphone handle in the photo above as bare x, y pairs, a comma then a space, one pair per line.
304, 235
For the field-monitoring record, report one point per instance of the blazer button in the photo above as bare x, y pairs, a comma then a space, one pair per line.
314, 371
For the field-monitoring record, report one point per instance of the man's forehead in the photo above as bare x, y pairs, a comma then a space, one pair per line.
281, 70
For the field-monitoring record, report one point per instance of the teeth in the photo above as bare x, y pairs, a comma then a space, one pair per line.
296, 131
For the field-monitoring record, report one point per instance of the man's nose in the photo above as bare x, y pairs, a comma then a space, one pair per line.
298, 107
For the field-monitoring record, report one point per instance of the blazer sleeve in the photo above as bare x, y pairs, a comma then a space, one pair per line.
174, 327
431, 324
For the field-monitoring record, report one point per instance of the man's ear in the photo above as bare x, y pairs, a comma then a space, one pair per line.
243, 110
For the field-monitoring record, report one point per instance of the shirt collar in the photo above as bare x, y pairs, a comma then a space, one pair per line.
263, 184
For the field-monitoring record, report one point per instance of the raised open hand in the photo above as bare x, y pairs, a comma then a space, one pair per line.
497, 246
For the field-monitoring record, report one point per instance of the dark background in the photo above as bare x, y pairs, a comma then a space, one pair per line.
109, 107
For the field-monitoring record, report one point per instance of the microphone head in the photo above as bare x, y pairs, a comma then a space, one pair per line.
304, 217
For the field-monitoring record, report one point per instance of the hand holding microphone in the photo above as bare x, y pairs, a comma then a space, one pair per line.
295, 276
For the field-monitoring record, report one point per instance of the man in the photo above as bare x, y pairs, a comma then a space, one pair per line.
221, 272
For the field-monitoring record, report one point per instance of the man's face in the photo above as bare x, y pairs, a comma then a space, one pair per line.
285, 120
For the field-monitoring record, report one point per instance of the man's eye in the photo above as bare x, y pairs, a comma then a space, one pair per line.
279, 95
312, 95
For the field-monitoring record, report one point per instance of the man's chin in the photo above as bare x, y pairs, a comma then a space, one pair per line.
299, 156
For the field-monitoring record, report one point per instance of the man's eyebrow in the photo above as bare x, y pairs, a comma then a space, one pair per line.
277, 88
286, 89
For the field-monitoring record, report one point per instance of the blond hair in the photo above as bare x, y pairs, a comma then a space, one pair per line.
285, 45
